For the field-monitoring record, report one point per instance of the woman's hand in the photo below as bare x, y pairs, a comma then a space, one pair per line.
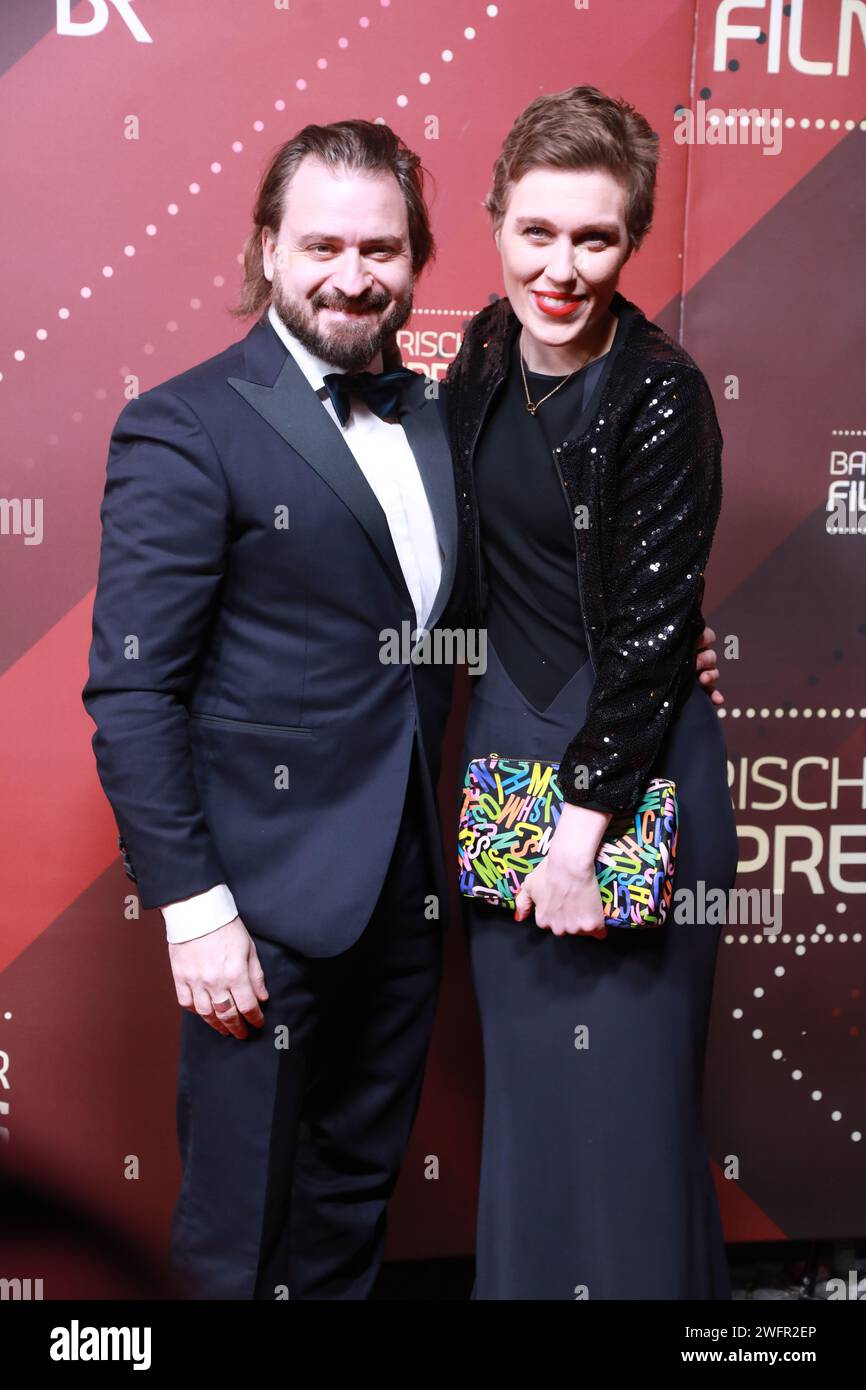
564, 888
708, 671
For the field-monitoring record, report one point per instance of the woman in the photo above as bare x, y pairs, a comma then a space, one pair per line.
588, 461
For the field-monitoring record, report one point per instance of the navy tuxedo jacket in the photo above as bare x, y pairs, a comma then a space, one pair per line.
247, 730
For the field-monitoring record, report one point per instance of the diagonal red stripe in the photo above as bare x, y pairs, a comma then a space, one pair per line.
742, 1218
56, 828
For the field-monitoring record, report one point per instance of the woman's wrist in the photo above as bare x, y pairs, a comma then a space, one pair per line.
580, 832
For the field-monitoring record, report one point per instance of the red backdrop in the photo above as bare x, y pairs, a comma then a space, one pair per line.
132, 151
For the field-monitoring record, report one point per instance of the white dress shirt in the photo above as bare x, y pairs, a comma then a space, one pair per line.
383, 454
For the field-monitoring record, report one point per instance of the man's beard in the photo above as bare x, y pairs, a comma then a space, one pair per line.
351, 346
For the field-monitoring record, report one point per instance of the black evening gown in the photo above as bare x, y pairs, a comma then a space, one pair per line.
595, 1180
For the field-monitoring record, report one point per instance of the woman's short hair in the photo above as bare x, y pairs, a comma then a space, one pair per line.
581, 128
353, 145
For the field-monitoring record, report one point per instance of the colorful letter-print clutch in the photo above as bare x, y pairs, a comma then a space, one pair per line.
510, 809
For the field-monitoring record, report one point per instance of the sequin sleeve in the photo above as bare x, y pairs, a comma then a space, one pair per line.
668, 498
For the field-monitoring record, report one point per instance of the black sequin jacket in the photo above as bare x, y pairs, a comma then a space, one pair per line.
647, 469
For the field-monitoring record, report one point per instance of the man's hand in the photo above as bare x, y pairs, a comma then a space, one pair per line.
219, 977
706, 663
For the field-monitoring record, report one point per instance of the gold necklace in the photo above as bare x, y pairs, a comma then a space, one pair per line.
532, 406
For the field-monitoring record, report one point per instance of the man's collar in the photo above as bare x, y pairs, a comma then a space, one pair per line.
314, 368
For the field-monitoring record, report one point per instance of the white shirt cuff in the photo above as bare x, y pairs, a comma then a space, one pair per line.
200, 914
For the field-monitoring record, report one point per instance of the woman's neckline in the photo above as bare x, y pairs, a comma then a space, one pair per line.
562, 376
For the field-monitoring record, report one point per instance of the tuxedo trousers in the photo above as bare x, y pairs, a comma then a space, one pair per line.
291, 1139
595, 1181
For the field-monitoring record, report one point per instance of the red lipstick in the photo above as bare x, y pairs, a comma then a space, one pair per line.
565, 303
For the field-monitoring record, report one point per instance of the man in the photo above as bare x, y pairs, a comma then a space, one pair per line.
273, 778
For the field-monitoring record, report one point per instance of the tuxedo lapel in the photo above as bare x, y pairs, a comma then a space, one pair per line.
278, 391
422, 424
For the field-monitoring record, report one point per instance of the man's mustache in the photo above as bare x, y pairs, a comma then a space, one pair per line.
373, 299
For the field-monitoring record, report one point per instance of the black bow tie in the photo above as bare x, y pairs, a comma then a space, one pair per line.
382, 391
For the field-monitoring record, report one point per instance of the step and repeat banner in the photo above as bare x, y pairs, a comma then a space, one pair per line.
135, 132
